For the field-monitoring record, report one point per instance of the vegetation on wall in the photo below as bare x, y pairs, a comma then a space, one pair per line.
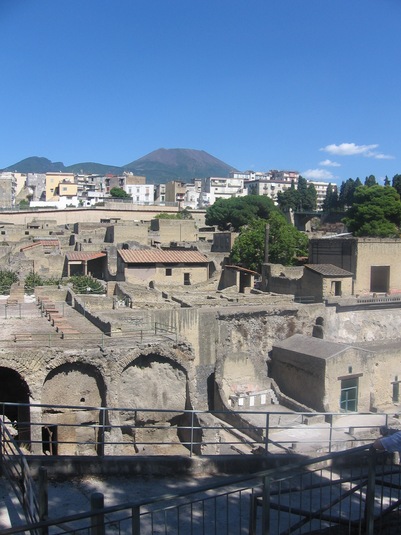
85, 284
7, 278
34, 279
183, 214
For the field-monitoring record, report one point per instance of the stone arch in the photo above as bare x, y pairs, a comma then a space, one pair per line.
14, 389
152, 381
73, 430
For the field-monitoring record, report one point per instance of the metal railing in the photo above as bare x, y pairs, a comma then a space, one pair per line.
110, 430
14, 467
345, 492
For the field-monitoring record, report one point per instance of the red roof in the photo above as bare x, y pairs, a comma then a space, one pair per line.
44, 243
84, 256
158, 256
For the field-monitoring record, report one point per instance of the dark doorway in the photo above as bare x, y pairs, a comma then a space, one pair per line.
15, 390
379, 279
210, 391
336, 287
49, 439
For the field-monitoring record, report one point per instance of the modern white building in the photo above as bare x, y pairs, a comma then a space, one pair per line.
141, 193
214, 188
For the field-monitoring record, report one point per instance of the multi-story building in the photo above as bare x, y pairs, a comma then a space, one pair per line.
53, 181
274, 181
141, 193
175, 192
214, 188
8, 186
268, 187
160, 193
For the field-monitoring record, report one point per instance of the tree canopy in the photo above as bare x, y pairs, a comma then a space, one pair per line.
285, 243
235, 212
299, 199
119, 193
376, 211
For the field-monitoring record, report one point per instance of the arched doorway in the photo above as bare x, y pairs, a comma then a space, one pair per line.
159, 385
73, 430
15, 390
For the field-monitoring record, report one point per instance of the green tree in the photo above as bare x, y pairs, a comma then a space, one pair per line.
396, 183
285, 243
387, 181
235, 212
7, 278
330, 203
289, 199
347, 190
119, 193
370, 181
376, 212
302, 198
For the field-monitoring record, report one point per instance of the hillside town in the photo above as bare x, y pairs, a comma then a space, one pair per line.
62, 190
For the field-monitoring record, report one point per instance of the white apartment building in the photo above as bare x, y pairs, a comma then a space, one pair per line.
141, 193
214, 188
270, 188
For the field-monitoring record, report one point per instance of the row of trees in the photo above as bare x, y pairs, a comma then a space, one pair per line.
300, 199
249, 216
370, 210
339, 200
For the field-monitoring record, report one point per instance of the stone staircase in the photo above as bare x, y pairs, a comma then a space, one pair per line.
56, 317
17, 293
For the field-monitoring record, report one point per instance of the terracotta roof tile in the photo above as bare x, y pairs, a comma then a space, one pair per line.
155, 256
42, 243
79, 255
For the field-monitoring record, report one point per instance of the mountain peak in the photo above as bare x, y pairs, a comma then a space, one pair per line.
159, 166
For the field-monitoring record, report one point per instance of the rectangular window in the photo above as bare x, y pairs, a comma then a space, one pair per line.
169, 272
379, 279
187, 279
336, 287
349, 395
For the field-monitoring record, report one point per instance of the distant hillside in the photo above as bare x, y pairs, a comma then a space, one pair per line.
34, 164
159, 166
163, 165
90, 168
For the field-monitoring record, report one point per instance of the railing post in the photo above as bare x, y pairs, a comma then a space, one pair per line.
267, 432
1, 444
370, 493
101, 434
192, 434
97, 520
43, 499
266, 506
136, 521
330, 431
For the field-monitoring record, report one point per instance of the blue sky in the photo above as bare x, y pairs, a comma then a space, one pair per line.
308, 85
